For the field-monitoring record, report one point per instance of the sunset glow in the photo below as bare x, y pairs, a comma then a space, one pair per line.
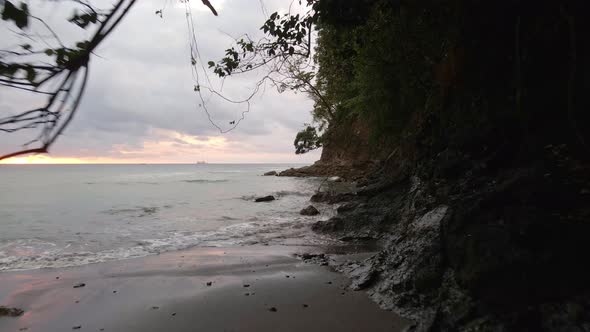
39, 159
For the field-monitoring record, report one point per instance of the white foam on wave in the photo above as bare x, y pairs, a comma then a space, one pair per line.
29, 256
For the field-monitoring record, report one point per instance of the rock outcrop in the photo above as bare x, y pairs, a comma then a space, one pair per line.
268, 198
309, 211
478, 250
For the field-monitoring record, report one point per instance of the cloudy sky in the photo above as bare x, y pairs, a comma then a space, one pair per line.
140, 106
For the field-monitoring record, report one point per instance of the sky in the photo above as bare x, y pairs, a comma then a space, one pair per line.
140, 105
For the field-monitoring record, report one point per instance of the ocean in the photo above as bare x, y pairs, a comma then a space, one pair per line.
69, 215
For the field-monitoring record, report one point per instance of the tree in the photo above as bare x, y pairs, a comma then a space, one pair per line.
48, 67
307, 140
286, 54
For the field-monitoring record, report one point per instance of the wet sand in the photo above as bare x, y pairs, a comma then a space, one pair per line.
255, 288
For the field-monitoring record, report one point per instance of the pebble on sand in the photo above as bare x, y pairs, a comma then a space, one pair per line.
272, 309
79, 285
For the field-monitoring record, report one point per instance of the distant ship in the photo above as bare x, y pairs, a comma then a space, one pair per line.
201, 162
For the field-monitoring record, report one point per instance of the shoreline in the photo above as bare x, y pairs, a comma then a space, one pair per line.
253, 288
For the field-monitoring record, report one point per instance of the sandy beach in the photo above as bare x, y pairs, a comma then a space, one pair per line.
253, 288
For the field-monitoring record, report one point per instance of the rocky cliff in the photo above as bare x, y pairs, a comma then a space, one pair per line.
482, 205
349, 152
484, 250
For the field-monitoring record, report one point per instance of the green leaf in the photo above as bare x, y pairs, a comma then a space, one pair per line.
19, 16
31, 74
84, 20
211, 64
82, 45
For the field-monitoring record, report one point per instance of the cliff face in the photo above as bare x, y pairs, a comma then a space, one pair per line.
479, 250
349, 151
349, 143
483, 205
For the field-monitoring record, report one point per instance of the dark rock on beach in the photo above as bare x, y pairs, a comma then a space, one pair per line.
309, 211
271, 173
10, 312
268, 198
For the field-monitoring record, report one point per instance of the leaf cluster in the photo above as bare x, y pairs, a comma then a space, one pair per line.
307, 140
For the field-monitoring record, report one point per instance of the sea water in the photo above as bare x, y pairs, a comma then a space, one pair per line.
68, 215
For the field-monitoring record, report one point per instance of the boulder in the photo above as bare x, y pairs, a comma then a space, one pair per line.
265, 199
309, 211
271, 173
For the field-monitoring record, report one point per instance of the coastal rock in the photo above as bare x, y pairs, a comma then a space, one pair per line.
320, 259
331, 225
10, 312
294, 172
348, 172
271, 173
470, 253
309, 211
268, 198
331, 198
79, 285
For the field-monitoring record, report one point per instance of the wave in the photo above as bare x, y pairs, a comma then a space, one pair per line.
124, 183
249, 233
282, 193
204, 181
140, 211
227, 218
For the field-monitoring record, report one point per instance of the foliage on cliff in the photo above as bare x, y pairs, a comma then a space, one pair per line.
503, 74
